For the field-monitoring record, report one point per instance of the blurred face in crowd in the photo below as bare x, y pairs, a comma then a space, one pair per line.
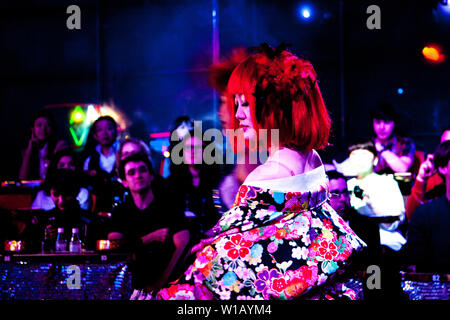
383, 128
362, 161
224, 115
193, 150
445, 136
137, 176
42, 128
339, 196
63, 200
182, 130
445, 171
105, 132
128, 149
66, 162
243, 114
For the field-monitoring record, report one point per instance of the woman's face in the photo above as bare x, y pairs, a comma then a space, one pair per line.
66, 162
105, 132
244, 117
193, 151
42, 128
128, 149
383, 128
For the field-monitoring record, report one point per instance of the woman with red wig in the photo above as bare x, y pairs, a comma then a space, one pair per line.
281, 239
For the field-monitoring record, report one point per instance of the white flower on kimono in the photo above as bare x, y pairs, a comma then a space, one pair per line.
260, 268
300, 253
316, 223
234, 215
328, 234
254, 261
242, 273
220, 246
322, 279
247, 225
284, 265
261, 213
306, 239
253, 204
225, 295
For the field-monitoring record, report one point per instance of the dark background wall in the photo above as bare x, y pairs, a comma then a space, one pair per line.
149, 59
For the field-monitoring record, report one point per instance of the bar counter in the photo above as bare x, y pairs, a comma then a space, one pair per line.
85, 276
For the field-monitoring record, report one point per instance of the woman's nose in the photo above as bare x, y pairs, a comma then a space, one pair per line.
240, 115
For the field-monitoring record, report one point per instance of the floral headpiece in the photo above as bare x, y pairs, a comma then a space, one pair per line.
285, 78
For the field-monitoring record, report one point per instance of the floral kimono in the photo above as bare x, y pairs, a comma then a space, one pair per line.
280, 239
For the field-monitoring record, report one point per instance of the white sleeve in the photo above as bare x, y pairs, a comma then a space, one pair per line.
83, 198
37, 200
43, 201
86, 163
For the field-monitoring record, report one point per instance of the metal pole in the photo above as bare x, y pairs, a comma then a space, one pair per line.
215, 49
341, 69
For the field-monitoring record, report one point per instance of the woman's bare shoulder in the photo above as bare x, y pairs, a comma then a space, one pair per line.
268, 171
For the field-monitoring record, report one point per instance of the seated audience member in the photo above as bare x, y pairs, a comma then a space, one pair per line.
131, 146
103, 158
64, 187
101, 161
429, 184
42, 145
428, 244
194, 182
395, 154
376, 195
64, 159
149, 226
365, 227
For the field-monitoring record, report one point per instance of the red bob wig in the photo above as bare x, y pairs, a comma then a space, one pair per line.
283, 94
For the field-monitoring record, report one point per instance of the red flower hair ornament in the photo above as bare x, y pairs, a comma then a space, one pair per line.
285, 78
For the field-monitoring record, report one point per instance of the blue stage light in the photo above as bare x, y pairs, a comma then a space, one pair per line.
400, 90
304, 12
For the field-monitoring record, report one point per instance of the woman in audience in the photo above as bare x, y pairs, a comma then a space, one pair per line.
41, 146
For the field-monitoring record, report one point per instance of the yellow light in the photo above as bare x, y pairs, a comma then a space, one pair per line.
431, 53
77, 115
166, 154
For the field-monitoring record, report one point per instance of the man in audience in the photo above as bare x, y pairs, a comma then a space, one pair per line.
429, 184
376, 195
428, 244
365, 227
379, 197
149, 226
